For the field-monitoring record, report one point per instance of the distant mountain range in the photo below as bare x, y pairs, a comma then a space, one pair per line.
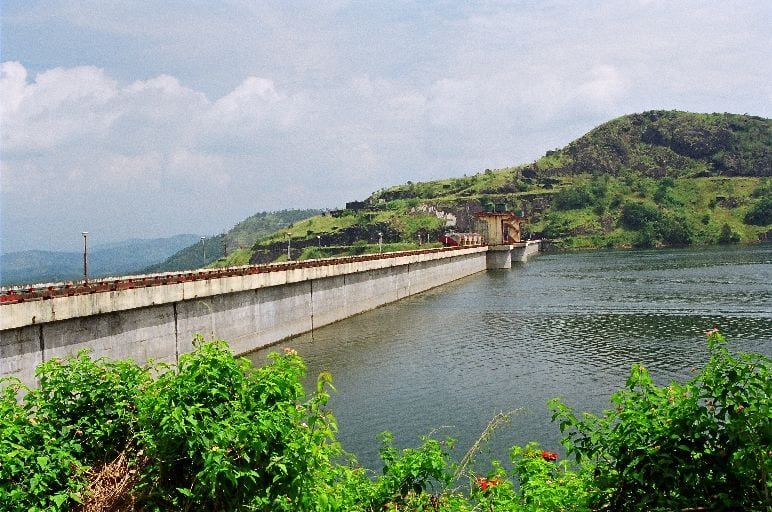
119, 258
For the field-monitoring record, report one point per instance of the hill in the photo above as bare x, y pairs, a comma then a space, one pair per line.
651, 179
118, 258
657, 144
235, 243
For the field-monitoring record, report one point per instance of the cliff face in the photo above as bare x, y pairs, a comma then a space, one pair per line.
667, 143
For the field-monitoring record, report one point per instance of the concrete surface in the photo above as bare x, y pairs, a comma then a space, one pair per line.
248, 311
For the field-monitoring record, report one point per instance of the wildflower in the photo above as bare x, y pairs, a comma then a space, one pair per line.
711, 332
290, 351
484, 484
549, 456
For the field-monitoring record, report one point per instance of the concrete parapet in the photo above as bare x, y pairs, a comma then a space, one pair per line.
250, 310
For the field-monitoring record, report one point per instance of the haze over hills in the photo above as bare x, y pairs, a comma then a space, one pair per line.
117, 258
656, 178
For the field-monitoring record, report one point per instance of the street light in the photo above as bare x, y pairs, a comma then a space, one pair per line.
85, 257
203, 251
380, 242
289, 245
319, 239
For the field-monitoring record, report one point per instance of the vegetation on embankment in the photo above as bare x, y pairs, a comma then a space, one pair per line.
659, 178
235, 242
217, 434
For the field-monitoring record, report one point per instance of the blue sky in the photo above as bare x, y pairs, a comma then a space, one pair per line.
145, 119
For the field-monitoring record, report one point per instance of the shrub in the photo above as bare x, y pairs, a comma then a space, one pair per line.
700, 444
38, 470
220, 436
675, 230
572, 198
635, 215
217, 434
760, 214
92, 403
727, 236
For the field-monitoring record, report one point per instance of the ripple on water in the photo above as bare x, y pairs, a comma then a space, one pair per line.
562, 325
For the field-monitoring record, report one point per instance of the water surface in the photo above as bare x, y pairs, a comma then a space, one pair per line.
562, 325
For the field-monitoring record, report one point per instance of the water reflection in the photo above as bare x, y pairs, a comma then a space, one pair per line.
565, 325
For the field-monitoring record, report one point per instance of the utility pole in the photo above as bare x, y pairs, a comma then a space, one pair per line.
85, 257
203, 252
380, 242
289, 246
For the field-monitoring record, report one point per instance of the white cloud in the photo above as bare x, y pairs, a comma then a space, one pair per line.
59, 106
273, 105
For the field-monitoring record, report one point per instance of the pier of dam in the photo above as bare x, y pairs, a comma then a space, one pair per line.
155, 317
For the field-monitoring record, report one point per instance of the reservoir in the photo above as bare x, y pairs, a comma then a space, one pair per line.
562, 325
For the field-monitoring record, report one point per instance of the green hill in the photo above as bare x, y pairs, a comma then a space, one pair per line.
236, 242
667, 143
651, 179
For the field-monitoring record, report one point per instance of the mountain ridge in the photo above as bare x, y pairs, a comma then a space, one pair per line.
113, 258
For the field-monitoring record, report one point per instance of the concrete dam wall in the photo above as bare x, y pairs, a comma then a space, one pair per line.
249, 311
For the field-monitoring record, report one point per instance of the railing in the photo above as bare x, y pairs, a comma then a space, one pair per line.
14, 295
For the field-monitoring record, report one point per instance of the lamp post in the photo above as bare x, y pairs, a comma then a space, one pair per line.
85, 257
319, 239
203, 251
289, 246
380, 242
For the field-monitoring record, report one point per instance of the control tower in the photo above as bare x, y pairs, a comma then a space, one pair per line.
501, 229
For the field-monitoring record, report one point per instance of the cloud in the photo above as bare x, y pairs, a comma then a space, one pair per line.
206, 115
59, 106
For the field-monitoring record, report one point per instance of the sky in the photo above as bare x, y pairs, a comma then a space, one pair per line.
143, 119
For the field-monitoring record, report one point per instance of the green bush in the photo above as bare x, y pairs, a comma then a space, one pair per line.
573, 198
636, 215
92, 403
38, 469
760, 214
675, 230
216, 434
727, 236
701, 444
220, 436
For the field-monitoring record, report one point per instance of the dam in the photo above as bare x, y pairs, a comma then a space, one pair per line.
156, 316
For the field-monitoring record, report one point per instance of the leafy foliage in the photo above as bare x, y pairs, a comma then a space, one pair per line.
760, 214
701, 444
637, 215
572, 198
216, 434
